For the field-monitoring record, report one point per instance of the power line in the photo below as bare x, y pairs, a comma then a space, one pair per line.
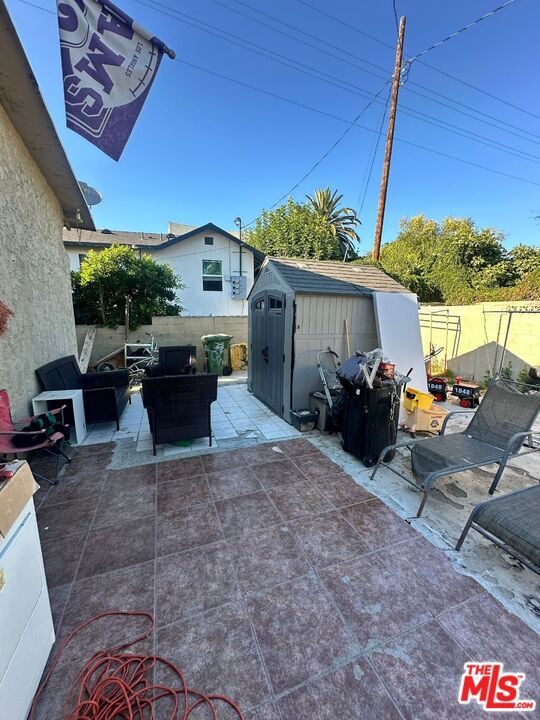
458, 32
325, 155
333, 116
374, 148
422, 62
363, 127
269, 54
360, 59
338, 82
395, 15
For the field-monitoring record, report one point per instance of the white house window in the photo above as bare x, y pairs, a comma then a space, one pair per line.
212, 275
208, 240
82, 258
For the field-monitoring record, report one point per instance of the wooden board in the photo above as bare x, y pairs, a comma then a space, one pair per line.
86, 351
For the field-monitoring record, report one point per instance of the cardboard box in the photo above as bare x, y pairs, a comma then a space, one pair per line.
15, 493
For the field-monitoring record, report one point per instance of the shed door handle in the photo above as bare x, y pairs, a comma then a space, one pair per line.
264, 352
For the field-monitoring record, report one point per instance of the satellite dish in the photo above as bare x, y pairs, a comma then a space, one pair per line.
91, 195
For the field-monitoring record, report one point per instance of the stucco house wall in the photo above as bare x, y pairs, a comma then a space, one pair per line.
34, 271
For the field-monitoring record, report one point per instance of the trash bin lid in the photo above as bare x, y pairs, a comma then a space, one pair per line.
216, 337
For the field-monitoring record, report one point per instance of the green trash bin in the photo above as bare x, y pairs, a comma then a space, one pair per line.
217, 350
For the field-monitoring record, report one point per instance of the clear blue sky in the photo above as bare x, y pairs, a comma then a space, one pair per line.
207, 149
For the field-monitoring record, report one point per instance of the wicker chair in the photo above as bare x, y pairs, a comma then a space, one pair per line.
178, 407
174, 360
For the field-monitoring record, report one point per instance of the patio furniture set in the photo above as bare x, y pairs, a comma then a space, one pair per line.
178, 403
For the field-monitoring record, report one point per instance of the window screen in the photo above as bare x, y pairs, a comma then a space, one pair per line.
208, 240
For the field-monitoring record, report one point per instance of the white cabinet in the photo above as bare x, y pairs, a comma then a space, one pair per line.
26, 627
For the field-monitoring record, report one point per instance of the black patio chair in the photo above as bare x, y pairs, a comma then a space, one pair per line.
496, 433
174, 360
511, 522
178, 407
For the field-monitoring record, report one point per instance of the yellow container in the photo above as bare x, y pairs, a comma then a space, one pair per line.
239, 356
413, 399
425, 421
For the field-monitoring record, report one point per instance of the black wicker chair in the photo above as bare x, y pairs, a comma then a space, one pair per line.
174, 360
178, 407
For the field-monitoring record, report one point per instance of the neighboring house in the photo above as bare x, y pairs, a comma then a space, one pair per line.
39, 194
208, 259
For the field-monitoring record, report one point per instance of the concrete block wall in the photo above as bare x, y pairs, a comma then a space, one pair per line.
475, 338
168, 331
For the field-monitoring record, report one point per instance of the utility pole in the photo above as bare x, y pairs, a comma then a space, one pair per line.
389, 141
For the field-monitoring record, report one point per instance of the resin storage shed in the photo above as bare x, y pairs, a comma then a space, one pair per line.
296, 309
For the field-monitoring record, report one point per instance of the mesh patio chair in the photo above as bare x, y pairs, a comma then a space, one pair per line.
178, 407
511, 522
496, 433
49, 444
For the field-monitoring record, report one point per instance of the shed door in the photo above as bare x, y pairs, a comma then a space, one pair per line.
267, 345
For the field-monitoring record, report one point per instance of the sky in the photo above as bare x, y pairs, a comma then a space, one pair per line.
208, 148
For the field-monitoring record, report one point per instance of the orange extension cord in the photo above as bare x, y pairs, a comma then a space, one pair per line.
115, 685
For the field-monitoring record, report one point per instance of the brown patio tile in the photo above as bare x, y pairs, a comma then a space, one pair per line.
243, 514
263, 453
58, 598
181, 530
422, 670
193, 581
234, 481
69, 518
72, 490
299, 632
489, 632
353, 692
126, 589
175, 469
131, 477
118, 546
121, 504
61, 557
270, 557
377, 525
182, 494
82, 464
317, 465
218, 652
372, 600
327, 539
276, 473
299, 500
266, 712
106, 632
298, 447
429, 575
223, 460
341, 489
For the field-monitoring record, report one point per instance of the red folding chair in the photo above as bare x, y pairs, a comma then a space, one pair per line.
51, 444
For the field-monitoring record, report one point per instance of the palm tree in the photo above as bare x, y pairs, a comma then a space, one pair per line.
342, 220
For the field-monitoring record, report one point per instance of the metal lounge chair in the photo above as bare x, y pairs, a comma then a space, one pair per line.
496, 433
50, 444
512, 522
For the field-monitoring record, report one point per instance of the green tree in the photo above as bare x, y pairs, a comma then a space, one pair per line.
107, 277
295, 230
343, 221
525, 259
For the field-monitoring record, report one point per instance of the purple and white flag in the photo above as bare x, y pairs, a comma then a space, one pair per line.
109, 63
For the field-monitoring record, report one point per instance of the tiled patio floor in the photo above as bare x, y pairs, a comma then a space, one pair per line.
274, 578
236, 416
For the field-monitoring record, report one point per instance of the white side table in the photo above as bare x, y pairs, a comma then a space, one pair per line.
73, 397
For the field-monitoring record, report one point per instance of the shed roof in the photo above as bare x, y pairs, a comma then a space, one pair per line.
21, 98
319, 277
